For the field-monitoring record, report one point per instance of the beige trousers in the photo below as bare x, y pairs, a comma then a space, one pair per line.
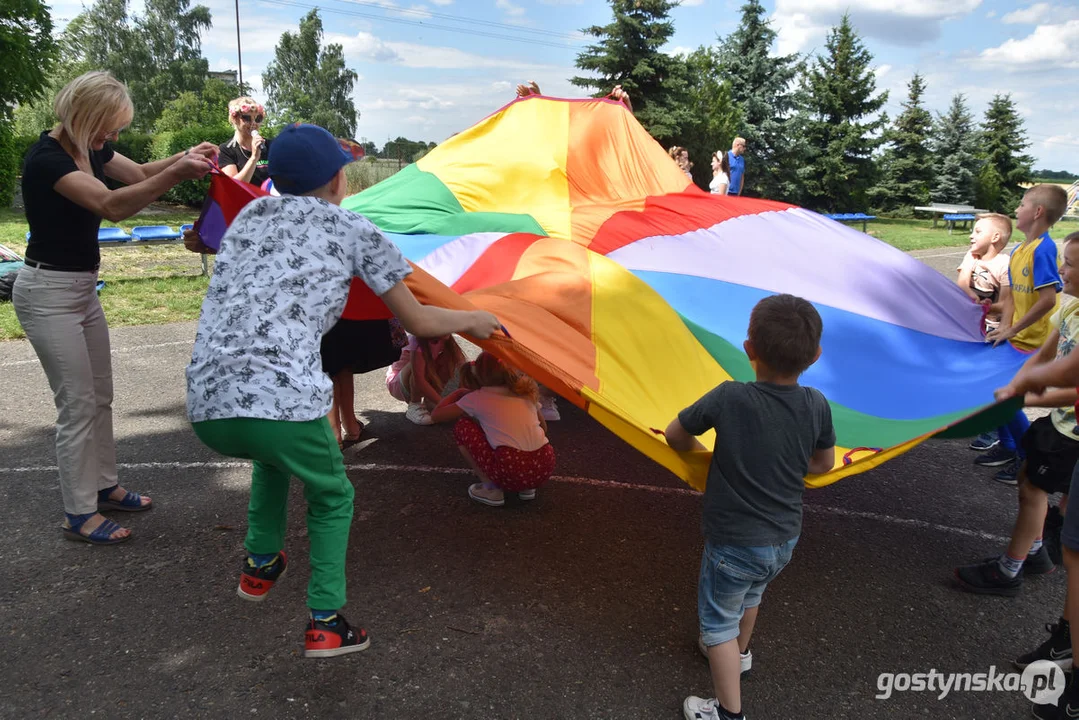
65, 324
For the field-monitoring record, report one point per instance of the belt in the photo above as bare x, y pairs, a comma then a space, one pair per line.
59, 268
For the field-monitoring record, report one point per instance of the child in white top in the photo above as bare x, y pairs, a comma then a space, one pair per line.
419, 377
983, 274
500, 430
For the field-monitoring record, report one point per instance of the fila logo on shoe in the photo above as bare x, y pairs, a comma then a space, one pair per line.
319, 638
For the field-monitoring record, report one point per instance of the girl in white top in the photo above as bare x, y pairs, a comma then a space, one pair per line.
500, 430
721, 173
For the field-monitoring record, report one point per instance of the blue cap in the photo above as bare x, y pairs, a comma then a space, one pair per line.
305, 157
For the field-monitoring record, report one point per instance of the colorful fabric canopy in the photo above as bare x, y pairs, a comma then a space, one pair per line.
628, 290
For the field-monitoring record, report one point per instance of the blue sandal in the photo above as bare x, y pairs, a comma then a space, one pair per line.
130, 502
102, 534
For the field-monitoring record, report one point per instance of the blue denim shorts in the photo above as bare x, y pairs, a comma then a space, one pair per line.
1069, 531
733, 578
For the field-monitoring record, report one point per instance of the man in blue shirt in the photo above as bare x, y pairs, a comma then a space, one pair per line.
738, 166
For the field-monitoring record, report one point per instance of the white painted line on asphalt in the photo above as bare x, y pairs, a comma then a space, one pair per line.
115, 351
591, 482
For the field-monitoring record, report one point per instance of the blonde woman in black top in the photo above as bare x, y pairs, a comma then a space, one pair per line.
54, 296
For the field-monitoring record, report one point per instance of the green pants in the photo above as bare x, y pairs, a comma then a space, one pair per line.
280, 449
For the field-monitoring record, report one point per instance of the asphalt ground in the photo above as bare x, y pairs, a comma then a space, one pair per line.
581, 604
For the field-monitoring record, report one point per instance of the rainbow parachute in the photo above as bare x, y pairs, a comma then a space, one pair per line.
627, 290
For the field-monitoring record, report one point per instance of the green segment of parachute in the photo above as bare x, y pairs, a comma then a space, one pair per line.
415, 202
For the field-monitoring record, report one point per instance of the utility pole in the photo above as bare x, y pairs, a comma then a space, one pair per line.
239, 57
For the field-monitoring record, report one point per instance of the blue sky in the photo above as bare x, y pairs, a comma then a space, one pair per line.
423, 82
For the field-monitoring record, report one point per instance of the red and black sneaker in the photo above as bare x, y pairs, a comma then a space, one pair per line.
330, 638
255, 582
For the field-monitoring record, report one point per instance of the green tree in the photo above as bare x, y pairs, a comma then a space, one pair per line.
954, 154
206, 108
628, 54
171, 30
405, 150
308, 83
28, 50
907, 167
714, 118
762, 86
1003, 140
839, 132
158, 55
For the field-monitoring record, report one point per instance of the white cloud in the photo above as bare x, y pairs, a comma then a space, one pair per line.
442, 3
802, 23
679, 50
514, 11
366, 46
692, 3
1049, 47
991, 14
1042, 13
1032, 15
881, 70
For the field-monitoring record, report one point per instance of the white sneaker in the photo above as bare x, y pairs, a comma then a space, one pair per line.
527, 494
695, 708
746, 657
418, 414
548, 408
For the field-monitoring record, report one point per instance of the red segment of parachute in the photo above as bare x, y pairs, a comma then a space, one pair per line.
675, 214
497, 263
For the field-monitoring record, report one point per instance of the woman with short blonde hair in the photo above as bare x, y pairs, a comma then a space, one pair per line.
246, 156
55, 298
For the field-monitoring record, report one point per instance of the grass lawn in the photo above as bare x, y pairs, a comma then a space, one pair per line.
144, 285
909, 235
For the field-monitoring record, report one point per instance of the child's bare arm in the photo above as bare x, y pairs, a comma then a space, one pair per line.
542, 420
821, 461
431, 321
1028, 377
680, 440
1002, 301
963, 279
1052, 398
446, 412
419, 379
1047, 298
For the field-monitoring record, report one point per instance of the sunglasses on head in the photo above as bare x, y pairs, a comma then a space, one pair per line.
256, 118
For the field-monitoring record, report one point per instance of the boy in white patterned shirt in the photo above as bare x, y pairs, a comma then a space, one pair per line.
255, 385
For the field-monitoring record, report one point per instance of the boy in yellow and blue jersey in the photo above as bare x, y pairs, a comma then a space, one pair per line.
1033, 272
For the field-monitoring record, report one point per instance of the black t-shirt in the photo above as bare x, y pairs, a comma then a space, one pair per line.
231, 153
62, 232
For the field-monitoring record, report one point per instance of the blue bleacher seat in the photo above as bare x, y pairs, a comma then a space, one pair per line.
27, 236
112, 235
185, 228
851, 217
154, 232
959, 217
